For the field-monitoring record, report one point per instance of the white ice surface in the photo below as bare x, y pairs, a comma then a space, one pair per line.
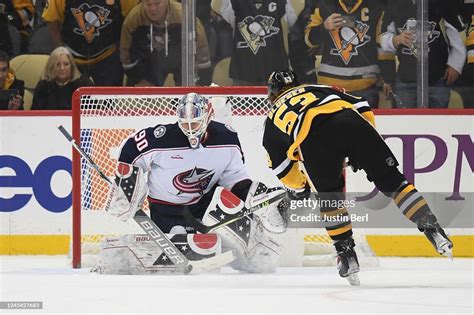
399, 285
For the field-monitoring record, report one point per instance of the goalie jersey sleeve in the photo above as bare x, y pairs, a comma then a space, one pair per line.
178, 174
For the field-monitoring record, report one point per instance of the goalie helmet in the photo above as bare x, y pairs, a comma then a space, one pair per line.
280, 81
194, 113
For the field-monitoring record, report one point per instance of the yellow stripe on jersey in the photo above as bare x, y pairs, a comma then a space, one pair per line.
294, 178
314, 21
348, 85
332, 107
369, 116
385, 55
93, 60
470, 59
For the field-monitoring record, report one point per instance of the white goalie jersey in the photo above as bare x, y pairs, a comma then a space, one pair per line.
178, 174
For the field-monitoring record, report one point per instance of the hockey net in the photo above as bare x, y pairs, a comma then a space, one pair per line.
104, 117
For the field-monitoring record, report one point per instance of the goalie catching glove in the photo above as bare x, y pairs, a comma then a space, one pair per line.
127, 194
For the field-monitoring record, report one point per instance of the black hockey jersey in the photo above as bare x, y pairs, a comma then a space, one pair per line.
351, 54
290, 119
258, 37
444, 38
90, 28
178, 174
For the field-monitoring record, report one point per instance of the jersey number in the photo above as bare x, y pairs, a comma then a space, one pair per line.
286, 121
141, 141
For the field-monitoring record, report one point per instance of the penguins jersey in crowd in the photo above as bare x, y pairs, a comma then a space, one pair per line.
289, 121
258, 47
351, 55
445, 41
178, 174
89, 28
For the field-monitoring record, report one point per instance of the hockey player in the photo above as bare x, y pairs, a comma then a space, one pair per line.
309, 132
185, 162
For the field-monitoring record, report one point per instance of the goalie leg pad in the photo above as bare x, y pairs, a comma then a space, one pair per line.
255, 250
269, 216
137, 254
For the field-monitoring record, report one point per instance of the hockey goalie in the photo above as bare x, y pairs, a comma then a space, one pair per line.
195, 165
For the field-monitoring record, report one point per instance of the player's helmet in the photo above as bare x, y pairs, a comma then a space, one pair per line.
280, 81
194, 113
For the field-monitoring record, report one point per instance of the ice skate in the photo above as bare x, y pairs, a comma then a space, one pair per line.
347, 262
436, 235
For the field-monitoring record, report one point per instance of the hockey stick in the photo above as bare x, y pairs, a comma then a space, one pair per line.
156, 234
202, 228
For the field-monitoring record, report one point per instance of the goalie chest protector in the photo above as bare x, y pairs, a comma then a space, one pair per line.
179, 174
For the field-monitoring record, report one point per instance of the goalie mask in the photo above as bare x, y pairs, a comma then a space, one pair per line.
280, 81
194, 113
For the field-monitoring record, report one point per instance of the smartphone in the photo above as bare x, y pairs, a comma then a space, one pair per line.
348, 21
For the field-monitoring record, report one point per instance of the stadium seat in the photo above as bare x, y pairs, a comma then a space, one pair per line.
220, 75
27, 100
29, 68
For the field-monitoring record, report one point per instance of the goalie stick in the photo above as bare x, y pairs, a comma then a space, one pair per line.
182, 263
202, 228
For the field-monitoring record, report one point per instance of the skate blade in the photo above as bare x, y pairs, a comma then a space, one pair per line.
446, 250
353, 279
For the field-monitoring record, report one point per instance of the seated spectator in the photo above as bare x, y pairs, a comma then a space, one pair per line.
150, 45
58, 82
12, 90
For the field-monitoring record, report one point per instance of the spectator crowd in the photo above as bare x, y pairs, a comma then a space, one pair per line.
367, 47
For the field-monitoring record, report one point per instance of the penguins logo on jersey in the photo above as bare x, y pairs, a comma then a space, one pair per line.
255, 30
90, 20
193, 181
432, 35
348, 38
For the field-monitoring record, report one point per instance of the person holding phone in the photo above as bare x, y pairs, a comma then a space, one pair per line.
351, 57
12, 90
